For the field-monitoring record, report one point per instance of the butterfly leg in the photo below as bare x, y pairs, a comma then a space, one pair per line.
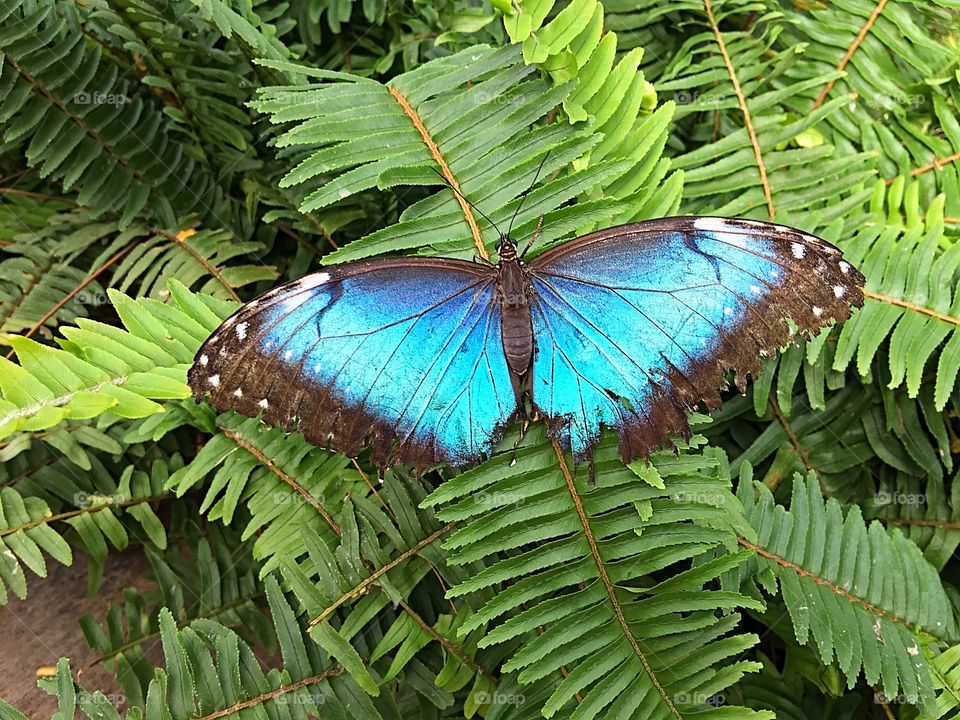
519, 390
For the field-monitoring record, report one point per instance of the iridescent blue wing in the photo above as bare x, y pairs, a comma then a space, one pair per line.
635, 325
404, 354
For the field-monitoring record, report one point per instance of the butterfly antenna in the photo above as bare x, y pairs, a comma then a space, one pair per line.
462, 197
527, 192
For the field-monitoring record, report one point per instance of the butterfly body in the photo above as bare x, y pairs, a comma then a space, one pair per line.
429, 359
514, 289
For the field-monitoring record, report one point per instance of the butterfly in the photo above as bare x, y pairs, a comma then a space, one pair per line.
428, 360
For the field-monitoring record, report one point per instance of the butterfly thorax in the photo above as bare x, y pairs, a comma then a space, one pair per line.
514, 290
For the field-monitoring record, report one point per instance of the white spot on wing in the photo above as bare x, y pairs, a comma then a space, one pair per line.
241, 330
839, 290
204, 360
755, 289
817, 311
238, 393
711, 224
844, 267
728, 311
302, 291
264, 404
731, 234
214, 380
311, 281
798, 250
288, 354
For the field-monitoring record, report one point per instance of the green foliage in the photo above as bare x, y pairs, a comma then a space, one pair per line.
827, 567
162, 160
630, 643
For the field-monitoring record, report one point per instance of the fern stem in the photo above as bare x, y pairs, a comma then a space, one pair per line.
605, 579
181, 239
212, 614
288, 479
911, 306
83, 283
39, 196
836, 589
361, 587
794, 440
854, 46
742, 100
936, 164
47, 519
93, 134
447, 174
273, 694
462, 654
886, 710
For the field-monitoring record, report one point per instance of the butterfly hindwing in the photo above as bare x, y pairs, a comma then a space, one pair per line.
635, 325
404, 354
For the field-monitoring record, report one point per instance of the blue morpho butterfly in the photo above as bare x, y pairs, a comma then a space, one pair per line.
429, 359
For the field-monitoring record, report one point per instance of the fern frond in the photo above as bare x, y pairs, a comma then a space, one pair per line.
215, 579
827, 567
37, 273
98, 506
284, 483
104, 369
914, 304
746, 152
86, 129
946, 679
423, 123
622, 639
210, 671
899, 74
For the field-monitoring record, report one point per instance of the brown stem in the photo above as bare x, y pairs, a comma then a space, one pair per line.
445, 169
748, 123
379, 572
850, 51
607, 583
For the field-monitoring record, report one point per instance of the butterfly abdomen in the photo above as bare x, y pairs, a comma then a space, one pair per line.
513, 286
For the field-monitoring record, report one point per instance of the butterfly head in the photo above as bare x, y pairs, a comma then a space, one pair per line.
506, 249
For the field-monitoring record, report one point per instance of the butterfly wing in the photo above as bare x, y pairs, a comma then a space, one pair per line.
635, 325
402, 353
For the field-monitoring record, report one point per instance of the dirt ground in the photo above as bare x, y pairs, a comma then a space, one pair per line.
37, 631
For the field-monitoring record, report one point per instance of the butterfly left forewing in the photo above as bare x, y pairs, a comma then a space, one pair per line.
402, 354
638, 324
